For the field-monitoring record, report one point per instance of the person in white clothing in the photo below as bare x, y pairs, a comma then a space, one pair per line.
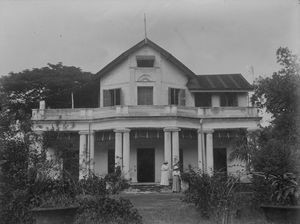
164, 181
176, 179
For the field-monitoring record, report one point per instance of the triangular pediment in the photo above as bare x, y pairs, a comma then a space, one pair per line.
147, 43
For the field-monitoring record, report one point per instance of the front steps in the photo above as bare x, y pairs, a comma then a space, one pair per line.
147, 187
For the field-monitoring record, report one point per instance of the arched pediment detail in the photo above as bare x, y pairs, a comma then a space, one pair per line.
145, 78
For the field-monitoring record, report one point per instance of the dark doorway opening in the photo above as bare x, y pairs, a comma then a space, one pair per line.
145, 165
220, 160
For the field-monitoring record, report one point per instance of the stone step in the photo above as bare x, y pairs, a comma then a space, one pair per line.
147, 187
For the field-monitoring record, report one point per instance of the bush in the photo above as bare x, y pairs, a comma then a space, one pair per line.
93, 185
213, 195
274, 165
97, 210
115, 181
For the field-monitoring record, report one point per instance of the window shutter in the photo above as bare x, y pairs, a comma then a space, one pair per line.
169, 96
106, 98
117, 97
182, 97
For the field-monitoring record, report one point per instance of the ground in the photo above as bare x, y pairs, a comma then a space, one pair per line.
165, 208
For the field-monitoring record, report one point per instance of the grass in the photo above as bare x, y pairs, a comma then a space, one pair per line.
159, 208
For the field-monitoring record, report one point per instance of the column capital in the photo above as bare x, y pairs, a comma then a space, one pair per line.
208, 131
252, 129
200, 131
172, 129
83, 132
86, 132
123, 130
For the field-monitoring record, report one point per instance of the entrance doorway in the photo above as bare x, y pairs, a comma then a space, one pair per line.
145, 165
220, 160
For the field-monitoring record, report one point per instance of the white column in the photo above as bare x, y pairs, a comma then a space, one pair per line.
200, 150
82, 155
118, 149
92, 151
209, 152
167, 147
250, 143
126, 153
175, 145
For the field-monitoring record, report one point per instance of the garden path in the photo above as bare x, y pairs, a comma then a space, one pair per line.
164, 208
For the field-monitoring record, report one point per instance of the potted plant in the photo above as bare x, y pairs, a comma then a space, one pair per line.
284, 199
57, 209
54, 200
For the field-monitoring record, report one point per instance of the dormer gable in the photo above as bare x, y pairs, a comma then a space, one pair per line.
146, 43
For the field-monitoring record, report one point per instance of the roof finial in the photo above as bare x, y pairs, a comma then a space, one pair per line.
145, 26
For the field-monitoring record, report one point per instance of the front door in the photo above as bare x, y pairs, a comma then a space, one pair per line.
145, 165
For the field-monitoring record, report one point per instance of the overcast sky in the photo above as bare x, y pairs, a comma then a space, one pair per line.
208, 36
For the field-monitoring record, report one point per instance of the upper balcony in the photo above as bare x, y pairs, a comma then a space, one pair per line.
142, 111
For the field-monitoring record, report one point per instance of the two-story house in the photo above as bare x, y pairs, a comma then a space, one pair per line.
152, 108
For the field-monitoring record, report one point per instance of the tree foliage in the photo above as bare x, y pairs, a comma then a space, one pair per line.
278, 95
277, 156
21, 92
53, 83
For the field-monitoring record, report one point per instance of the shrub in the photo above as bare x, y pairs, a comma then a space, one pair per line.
115, 181
213, 195
96, 210
274, 165
93, 185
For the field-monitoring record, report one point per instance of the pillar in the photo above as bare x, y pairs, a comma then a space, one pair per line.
200, 150
167, 147
118, 149
175, 145
82, 154
209, 152
92, 151
250, 143
126, 153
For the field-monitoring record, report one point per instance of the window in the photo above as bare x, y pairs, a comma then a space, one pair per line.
203, 99
176, 96
111, 97
229, 100
145, 95
146, 61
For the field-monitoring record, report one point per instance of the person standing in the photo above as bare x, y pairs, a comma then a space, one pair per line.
176, 179
164, 181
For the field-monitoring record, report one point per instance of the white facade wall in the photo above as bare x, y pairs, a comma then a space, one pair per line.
162, 76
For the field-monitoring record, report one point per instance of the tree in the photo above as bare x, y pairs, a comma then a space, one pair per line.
21, 92
276, 157
278, 95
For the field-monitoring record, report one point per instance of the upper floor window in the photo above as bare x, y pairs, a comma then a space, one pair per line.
203, 99
229, 100
176, 96
111, 97
146, 61
145, 95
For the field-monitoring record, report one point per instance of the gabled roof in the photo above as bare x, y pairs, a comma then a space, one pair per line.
147, 42
221, 82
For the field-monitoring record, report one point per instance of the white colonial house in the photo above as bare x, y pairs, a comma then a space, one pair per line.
152, 108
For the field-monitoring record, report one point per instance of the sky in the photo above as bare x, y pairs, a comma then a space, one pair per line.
208, 36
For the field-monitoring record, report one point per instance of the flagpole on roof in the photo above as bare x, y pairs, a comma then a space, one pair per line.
145, 26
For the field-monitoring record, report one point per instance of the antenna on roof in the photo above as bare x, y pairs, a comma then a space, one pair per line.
145, 26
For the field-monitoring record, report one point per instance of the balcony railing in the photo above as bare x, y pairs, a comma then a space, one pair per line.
143, 111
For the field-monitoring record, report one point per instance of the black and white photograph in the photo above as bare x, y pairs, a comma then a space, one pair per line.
149, 112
